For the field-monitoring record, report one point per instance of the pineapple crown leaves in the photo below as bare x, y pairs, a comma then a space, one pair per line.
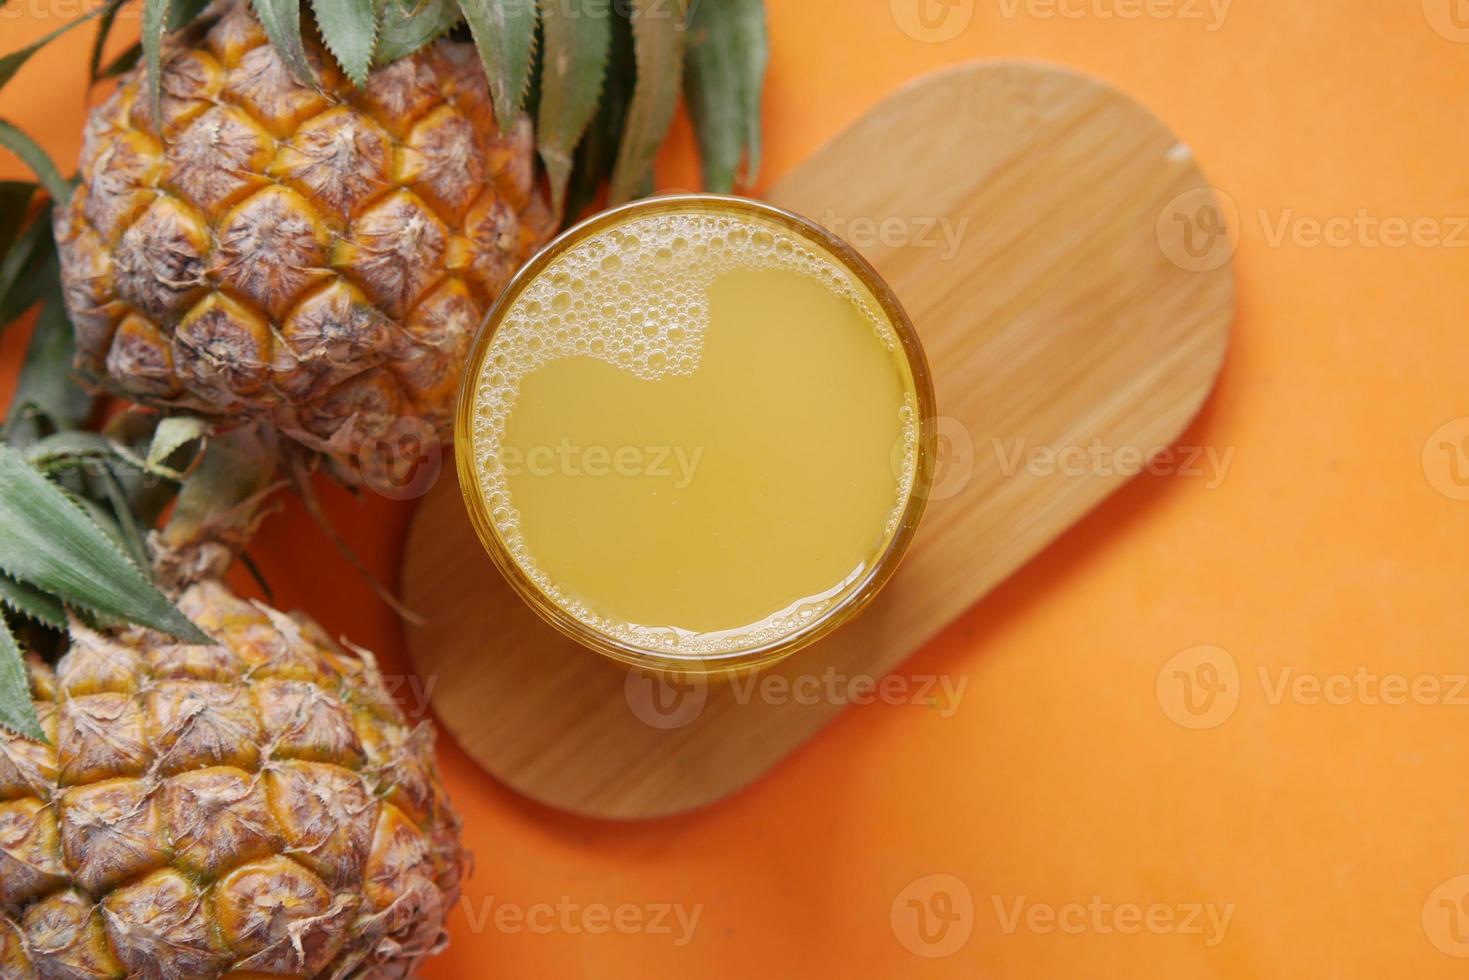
349, 29
658, 45
723, 82
573, 71
505, 37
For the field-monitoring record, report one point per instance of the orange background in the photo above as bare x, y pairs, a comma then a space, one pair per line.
1328, 547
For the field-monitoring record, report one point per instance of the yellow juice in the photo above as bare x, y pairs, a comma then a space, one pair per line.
695, 433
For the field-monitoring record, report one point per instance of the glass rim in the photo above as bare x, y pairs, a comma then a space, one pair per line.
744, 658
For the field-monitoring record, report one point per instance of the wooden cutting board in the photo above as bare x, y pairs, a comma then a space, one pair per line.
1068, 270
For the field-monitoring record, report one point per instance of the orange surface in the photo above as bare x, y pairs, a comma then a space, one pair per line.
1333, 547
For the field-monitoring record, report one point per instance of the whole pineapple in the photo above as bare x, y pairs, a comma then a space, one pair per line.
317, 257
258, 807
268, 230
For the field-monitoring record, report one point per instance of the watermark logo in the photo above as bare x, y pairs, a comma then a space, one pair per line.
933, 916
403, 462
953, 459
950, 466
1448, 18
665, 701
1446, 917
933, 21
1446, 459
1198, 230
1199, 687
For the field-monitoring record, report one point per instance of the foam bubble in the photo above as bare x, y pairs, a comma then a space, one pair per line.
596, 299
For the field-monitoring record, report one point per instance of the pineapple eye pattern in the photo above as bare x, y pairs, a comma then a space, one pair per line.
260, 805
197, 254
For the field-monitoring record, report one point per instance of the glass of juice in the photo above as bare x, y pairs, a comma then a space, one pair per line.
695, 433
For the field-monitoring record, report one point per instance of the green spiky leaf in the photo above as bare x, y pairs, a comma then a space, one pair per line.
50, 542
504, 34
658, 28
122, 64
134, 540
178, 14
64, 449
12, 62
181, 13
45, 387
578, 37
15, 204
27, 268
32, 603
597, 154
410, 25
87, 453
154, 14
96, 463
724, 78
349, 28
134, 434
99, 43
30, 152
259, 576
105, 522
17, 712
281, 20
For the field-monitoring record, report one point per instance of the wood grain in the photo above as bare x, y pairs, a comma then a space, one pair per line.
1024, 216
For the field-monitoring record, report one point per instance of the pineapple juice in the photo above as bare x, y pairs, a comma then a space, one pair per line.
695, 433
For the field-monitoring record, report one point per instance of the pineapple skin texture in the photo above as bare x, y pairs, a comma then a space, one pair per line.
316, 259
255, 808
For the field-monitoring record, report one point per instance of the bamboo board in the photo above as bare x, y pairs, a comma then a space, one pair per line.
1068, 270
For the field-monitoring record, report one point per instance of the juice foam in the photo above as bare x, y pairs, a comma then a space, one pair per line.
637, 297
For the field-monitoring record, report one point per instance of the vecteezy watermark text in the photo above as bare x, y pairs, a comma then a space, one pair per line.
1211, 13
679, 463
938, 21
568, 916
1363, 229
1206, 920
667, 702
940, 233
1098, 459
941, 692
412, 694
